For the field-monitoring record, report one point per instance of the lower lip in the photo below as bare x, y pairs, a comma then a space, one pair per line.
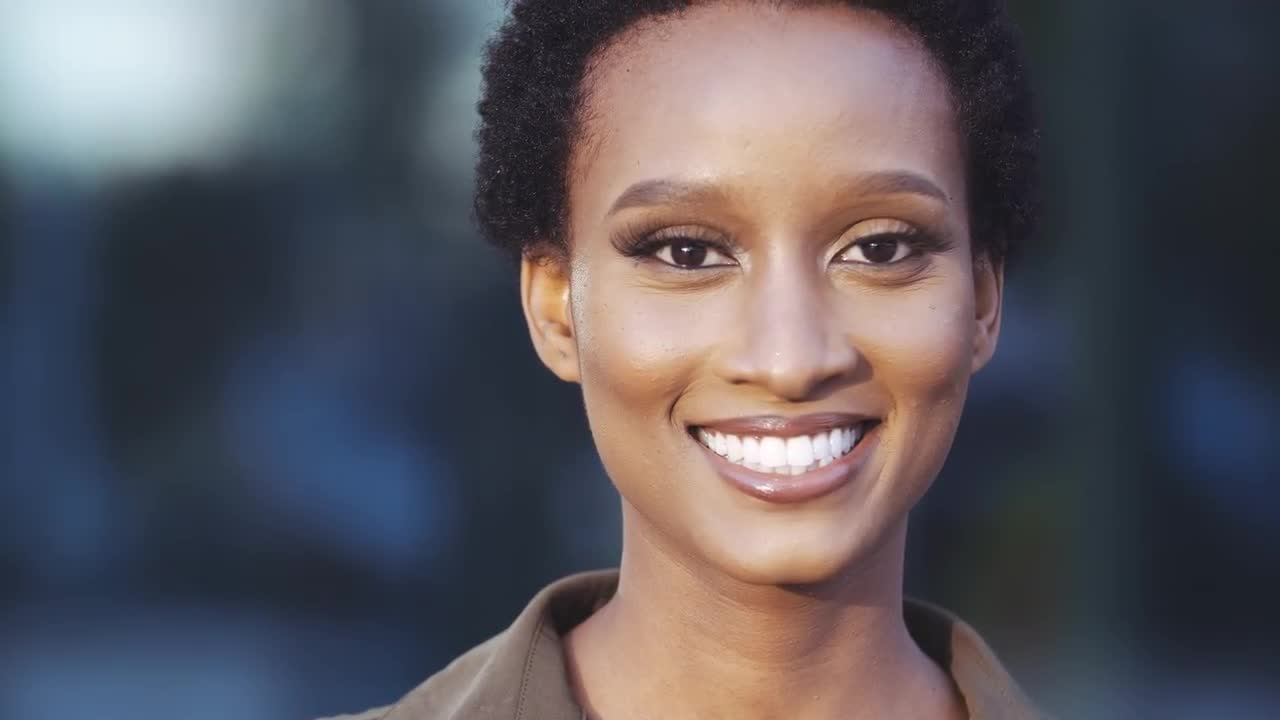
786, 489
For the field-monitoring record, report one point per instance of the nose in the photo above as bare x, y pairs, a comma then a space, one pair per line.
789, 339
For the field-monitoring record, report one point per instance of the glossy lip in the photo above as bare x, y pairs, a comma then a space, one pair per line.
787, 489
780, 426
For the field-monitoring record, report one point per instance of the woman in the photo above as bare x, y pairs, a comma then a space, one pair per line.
768, 241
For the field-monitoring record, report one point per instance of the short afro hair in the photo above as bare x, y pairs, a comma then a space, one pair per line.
531, 111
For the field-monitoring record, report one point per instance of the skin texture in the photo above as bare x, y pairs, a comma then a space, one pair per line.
785, 136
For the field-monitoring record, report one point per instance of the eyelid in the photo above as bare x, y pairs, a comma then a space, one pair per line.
880, 226
663, 245
714, 242
645, 240
919, 241
698, 233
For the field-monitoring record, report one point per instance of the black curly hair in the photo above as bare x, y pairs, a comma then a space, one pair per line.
531, 111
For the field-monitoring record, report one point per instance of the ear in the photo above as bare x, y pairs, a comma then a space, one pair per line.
988, 292
544, 293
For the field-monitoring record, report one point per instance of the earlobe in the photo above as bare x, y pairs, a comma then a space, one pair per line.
988, 291
544, 294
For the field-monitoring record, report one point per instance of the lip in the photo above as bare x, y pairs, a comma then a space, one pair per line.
785, 426
790, 489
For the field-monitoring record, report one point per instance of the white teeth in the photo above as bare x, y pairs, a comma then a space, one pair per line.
773, 452
799, 451
733, 444
821, 447
783, 456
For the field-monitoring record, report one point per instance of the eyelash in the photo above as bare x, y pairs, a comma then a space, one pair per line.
918, 242
643, 242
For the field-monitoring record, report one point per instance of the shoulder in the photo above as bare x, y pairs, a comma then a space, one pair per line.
516, 673
440, 696
988, 688
374, 714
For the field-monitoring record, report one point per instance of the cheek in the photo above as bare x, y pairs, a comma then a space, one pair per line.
920, 352
639, 351
639, 348
920, 347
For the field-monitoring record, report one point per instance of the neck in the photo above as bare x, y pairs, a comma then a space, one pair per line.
683, 640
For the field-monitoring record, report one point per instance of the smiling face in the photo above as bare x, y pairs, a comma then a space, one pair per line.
770, 298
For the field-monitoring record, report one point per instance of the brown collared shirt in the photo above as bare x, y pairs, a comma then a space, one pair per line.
520, 674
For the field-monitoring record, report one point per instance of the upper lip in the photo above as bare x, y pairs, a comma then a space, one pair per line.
781, 426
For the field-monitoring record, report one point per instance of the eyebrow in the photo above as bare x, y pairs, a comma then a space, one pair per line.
898, 182
648, 193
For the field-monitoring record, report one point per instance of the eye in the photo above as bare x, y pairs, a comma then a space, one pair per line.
689, 254
881, 242
878, 250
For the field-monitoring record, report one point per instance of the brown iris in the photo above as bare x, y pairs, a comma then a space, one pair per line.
688, 254
879, 250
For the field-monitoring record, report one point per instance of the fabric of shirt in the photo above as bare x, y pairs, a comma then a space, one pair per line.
520, 674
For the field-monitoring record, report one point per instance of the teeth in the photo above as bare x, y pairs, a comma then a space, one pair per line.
773, 452
734, 445
822, 447
783, 456
799, 451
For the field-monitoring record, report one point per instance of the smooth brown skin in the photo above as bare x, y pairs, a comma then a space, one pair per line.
796, 126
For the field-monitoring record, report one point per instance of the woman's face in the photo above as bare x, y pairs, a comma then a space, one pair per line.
770, 299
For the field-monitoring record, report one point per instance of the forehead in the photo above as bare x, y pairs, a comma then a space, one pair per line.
757, 97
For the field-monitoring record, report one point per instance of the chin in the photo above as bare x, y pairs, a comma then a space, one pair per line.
786, 571
811, 556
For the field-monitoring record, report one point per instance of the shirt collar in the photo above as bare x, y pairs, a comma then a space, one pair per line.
520, 674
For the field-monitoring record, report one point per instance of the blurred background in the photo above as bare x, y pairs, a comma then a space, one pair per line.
254, 355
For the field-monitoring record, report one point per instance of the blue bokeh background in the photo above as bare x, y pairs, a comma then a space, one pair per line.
274, 444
